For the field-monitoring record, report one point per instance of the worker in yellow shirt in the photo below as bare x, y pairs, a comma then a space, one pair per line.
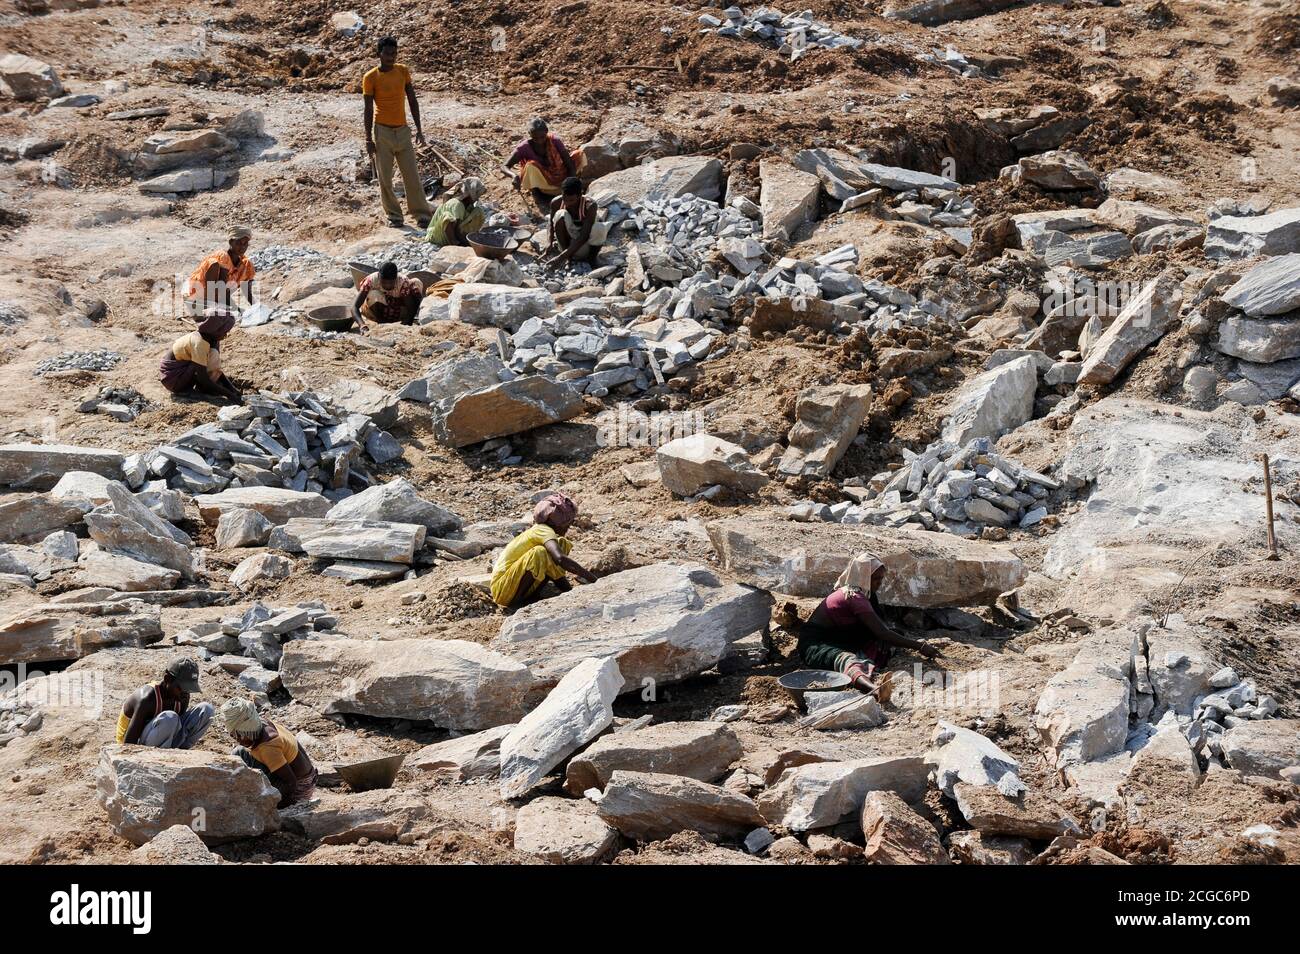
271, 748
538, 554
387, 89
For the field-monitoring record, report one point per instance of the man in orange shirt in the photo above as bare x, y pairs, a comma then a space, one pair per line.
387, 89
211, 287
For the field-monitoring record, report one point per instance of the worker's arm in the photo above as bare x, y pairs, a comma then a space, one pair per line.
356, 312
567, 564
415, 112
370, 124
247, 289
139, 719
550, 229
211, 286
508, 168
877, 628
568, 162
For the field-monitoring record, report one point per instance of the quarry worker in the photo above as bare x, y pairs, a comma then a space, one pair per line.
193, 363
160, 715
273, 749
544, 163
538, 554
459, 216
846, 634
211, 286
387, 90
575, 229
386, 297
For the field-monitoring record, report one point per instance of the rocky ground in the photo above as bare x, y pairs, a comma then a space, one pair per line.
1009, 299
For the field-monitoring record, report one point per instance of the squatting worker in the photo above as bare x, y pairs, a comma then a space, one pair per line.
211, 287
388, 90
846, 634
544, 163
538, 554
159, 714
273, 749
193, 363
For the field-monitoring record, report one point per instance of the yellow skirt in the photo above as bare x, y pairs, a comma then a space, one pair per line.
537, 563
531, 176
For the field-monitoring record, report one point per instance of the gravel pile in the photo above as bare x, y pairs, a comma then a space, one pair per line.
98, 360
275, 255
793, 33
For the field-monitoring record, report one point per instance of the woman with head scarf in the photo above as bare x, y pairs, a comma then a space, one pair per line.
459, 216
538, 554
211, 287
193, 363
845, 632
273, 749
544, 163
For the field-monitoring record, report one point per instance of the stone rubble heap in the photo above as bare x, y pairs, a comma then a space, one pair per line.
291, 256
101, 359
297, 441
122, 404
793, 33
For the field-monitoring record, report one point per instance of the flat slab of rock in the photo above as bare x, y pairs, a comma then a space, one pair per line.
504, 306
39, 466
60, 632
822, 794
504, 409
661, 622
1260, 340
577, 710
1270, 288
452, 683
688, 465
276, 504
896, 835
826, 421
1263, 747
1145, 319
788, 197
700, 750
327, 538
1245, 236
29, 518
334, 818
923, 570
397, 502
647, 807
1028, 815
477, 755
563, 831
667, 178
994, 402
145, 791
365, 571
961, 755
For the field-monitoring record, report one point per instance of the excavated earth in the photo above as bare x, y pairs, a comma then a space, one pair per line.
1190, 105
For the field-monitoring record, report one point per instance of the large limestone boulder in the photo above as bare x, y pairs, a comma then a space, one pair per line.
29, 518
563, 831
924, 570
27, 78
826, 421
341, 819
39, 466
504, 306
788, 198
688, 465
844, 176
647, 807
961, 755
146, 791
994, 402
397, 502
668, 178
1263, 340
698, 750
578, 709
661, 623
452, 683
1082, 714
1027, 814
822, 794
501, 410
477, 755
57, 632
276, 504
354, 539
1145, 319
1245, 236
1263, 747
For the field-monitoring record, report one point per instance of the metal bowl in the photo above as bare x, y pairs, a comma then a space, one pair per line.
372, 773
331, 317
812, 680
493, 243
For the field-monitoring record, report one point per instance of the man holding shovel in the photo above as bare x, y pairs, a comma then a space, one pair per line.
387, 90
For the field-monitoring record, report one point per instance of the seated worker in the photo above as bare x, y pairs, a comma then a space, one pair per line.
459, 215
387, 296
544, 163
212, 285
846, 634
272, 748
538, 554
193, 364
160, 716
575, 229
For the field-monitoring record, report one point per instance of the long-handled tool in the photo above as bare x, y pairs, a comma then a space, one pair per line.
1268, 503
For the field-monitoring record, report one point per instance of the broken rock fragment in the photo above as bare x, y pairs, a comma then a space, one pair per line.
821, 794
563, 831
826, 421
688, 465
896, 835
699, 750
501, 410
646, 806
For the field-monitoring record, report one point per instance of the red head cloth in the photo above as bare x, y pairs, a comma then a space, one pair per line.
217, 326
557, 508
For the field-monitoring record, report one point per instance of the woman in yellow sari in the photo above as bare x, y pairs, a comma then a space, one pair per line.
544, 163
538, 554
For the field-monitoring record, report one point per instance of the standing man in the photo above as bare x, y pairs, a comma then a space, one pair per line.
387, 89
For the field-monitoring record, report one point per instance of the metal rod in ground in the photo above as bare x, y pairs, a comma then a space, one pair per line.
1268, 503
